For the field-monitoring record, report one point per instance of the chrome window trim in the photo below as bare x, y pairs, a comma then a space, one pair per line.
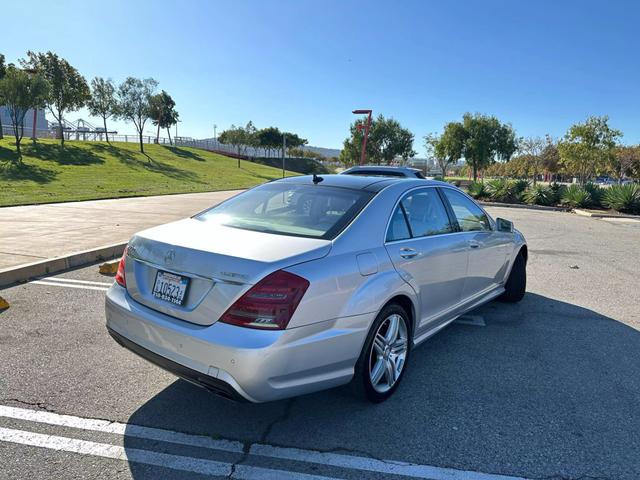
420, 187
492, 222
402, 197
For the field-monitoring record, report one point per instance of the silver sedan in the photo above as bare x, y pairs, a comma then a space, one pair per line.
308, 283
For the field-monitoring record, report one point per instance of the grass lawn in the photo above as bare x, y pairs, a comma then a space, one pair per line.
92, 170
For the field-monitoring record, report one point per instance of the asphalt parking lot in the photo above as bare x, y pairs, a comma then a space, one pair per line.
547, 388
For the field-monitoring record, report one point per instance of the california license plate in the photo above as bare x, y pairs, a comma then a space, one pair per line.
170, 287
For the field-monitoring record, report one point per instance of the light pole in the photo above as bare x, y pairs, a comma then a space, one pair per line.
215, 137
366, 127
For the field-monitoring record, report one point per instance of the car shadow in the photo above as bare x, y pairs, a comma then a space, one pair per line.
545, 389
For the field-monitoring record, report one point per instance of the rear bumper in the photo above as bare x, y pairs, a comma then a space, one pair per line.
236, 362
210, 383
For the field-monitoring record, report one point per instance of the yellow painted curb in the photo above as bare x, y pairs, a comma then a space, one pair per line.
109, 267
3, 304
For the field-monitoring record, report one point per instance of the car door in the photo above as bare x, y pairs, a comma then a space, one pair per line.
428, 254
488, 248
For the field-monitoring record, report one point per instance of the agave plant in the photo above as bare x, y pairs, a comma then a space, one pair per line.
538, 195
519, 186
576, 196
556, 191
596, 194
477, 190
500, 190
623, 198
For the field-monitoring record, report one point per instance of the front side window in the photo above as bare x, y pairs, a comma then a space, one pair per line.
419, 214
470, 217
314, 211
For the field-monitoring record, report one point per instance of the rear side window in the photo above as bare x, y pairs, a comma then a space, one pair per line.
470, 217
312, 211
419, 214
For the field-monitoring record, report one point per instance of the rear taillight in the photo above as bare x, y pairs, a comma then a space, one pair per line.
120, 278
270, 303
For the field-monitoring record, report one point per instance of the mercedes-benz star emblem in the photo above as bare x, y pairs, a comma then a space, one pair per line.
170, 256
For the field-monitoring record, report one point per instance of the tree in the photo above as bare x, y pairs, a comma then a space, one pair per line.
20, 92
588, 148
103, 101
269, 138
163, 113
447, 148
625, 161
68, 89
239, 137
387, 140
551, 156
294, 141
532, 149
486, 140
134, 97
3, 72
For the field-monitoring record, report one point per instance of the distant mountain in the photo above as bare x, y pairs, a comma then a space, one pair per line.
325, 152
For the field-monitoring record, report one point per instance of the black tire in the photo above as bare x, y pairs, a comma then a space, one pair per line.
362, 384
517, 282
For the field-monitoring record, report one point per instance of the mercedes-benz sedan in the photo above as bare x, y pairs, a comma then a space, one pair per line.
308, 283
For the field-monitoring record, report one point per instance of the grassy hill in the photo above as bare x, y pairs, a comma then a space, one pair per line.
93, 170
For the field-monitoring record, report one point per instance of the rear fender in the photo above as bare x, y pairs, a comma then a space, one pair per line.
377, 291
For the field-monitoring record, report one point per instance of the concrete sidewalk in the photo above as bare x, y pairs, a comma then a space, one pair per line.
37, 232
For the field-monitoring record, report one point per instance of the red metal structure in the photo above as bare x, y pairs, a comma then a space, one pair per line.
366, 132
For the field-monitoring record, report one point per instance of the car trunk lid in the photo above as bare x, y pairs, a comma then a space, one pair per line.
221, 263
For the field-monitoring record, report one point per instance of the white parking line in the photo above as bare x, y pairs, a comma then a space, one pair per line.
389, 467
350, 462
147, 457
71, 280
96, 425
68, 285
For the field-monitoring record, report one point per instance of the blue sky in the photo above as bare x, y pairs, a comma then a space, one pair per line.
304, 65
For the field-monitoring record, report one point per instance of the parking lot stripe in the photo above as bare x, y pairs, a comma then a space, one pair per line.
389, 467
96, 425
147, 457
71, 280
68, 285
351, 462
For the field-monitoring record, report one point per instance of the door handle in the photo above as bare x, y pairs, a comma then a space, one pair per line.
473, 244
408, 252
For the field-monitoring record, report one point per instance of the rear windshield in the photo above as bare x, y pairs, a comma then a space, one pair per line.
312, 211
376, 173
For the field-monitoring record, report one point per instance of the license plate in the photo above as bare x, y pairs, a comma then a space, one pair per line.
170, 287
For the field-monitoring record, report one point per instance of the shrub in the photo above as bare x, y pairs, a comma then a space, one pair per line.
556, 191
519, 186
500, 190
596, 194
576, 196
538, 195
623, 198
477, 190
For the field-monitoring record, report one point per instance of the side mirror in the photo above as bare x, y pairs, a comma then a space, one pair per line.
504, 225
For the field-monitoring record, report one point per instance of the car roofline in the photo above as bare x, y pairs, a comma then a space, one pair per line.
376, 184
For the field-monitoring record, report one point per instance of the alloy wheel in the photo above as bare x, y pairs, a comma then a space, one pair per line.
388, 353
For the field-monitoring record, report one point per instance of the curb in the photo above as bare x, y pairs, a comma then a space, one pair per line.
21, 273
126, 197
525, 206
586, 213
